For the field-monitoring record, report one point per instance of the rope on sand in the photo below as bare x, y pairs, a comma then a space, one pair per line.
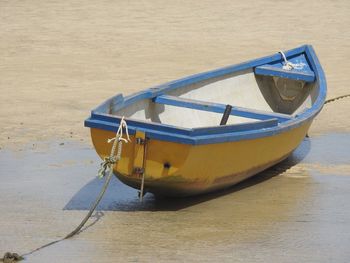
336, 98
108, 163
11, 257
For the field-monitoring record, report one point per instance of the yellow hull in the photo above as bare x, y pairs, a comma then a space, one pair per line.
182, 169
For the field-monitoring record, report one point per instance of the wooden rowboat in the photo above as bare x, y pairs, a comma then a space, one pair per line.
178, 147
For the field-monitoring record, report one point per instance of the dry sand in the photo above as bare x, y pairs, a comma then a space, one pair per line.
59, 59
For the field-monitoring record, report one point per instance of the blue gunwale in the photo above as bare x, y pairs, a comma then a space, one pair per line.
214, 134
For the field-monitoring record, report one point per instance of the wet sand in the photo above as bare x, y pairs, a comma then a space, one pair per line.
60, 59
297, 211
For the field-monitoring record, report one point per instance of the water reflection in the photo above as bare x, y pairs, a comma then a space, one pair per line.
120, 197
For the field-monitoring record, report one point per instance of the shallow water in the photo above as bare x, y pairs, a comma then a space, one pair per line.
292, 212
59, 59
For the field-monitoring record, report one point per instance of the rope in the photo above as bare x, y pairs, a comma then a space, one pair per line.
107, 163
119, 135
110, 161
11, 257
336, 98
287, 65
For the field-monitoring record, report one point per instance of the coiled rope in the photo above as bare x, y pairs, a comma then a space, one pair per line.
107, 163
287, 65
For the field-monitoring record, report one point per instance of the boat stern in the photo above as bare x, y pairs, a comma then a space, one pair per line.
162, 171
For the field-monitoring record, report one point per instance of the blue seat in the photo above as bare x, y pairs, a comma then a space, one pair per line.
273, 71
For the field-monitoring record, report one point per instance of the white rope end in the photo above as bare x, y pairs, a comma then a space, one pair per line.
287, 65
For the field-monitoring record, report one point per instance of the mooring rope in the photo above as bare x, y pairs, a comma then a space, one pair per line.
287, 65
107, 163
336, 98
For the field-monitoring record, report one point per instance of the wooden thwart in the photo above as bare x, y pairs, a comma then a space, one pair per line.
220, 108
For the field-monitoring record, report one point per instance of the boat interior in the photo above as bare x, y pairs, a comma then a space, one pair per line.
257, 94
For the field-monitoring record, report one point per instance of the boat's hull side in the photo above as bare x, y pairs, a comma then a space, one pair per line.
182, 169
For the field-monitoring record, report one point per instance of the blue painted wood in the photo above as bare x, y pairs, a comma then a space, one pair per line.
235, 127
159, 131
219, 108
163, 88
268, 70
127, 100
197, 137
300, 59
275, 58
321, 82
142, 124
110, 104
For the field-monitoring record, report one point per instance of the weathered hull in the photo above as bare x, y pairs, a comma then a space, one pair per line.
176, 169
214, 129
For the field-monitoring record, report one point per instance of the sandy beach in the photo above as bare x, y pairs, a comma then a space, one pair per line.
60, 59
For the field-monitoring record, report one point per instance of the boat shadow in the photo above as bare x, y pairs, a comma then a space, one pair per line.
120, 197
